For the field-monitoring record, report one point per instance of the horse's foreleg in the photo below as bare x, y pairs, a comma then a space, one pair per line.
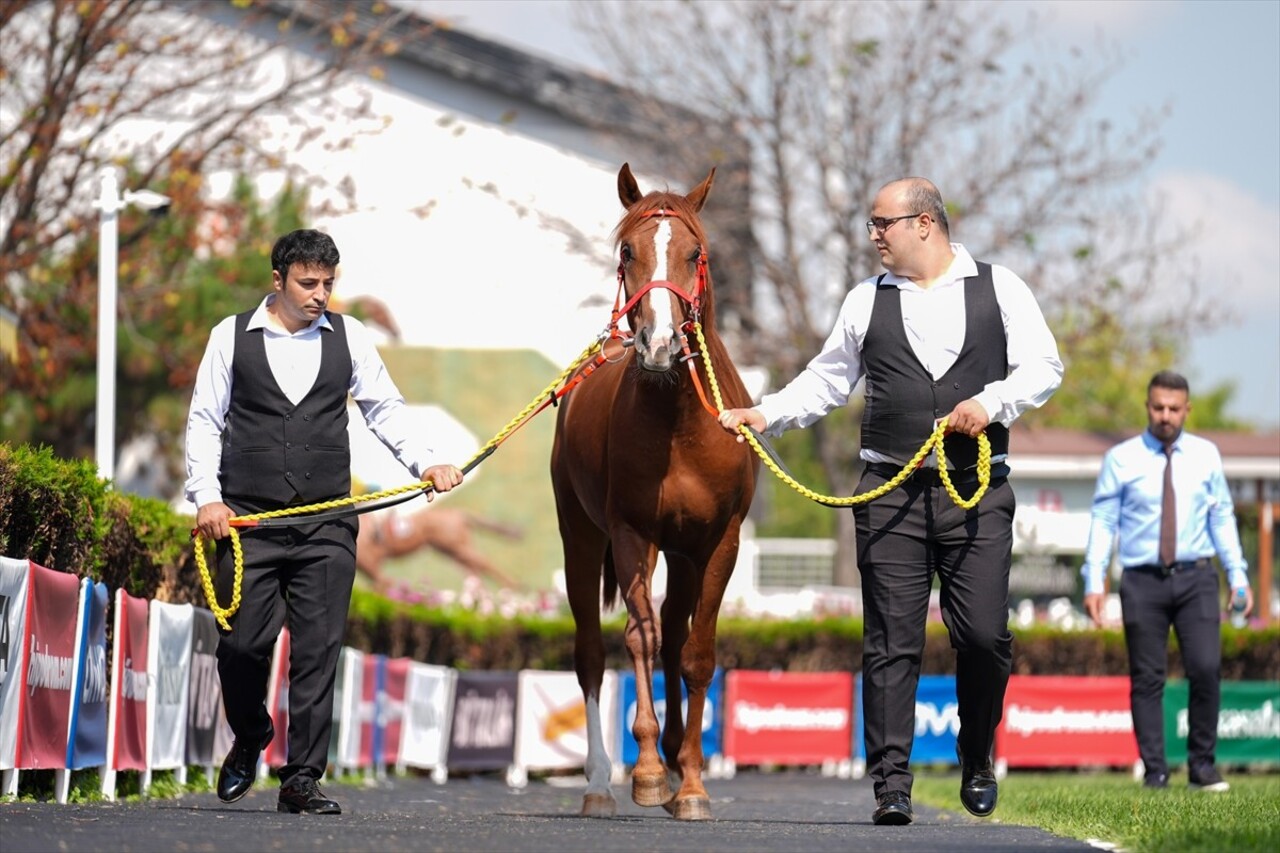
698, 665
682, 585
633, 561
582, 582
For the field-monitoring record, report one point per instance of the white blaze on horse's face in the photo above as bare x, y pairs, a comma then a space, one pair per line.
657, 344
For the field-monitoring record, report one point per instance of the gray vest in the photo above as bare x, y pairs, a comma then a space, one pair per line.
903, 400
279, 453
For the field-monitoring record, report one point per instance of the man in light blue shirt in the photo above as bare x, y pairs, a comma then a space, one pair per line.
1164, 493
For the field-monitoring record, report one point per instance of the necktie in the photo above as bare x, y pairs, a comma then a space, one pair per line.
1168, 514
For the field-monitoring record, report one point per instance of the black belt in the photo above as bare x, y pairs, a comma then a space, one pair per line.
967, 477
1173, 568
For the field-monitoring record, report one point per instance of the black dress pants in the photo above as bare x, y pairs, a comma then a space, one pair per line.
905, 538
301, 576
1187, 600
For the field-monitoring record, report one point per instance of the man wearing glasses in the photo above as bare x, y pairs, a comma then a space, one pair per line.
939, 335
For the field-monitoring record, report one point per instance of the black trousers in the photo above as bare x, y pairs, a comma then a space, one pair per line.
905, 539
300, 576
1187, 600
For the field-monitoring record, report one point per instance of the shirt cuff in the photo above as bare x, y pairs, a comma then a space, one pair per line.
1237, 578
207, 496
1094, 581
990, 404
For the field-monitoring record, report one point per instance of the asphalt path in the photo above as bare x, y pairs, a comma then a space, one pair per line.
754, 811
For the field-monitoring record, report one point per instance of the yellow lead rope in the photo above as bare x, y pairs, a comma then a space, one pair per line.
224, 614
934, 443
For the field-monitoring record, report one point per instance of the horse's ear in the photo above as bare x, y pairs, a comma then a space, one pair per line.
628, 190
698, 195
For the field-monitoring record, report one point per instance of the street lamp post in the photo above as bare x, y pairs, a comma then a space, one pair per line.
110, 203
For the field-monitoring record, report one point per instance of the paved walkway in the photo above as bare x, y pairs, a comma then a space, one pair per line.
772, 812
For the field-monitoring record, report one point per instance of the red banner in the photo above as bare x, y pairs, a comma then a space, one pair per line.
392, 708
129, 683
51, 632
788, 717
369, 685
1067, 721
277, 754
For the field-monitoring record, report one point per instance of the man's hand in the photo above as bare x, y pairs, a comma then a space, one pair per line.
731, 419
211, 520
968, 418
1093, 602
442, 478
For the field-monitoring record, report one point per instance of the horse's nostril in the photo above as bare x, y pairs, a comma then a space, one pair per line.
644, 336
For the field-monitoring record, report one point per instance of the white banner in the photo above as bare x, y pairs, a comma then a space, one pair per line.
346, 708
14, 575
428, 710
551, 730
169, 675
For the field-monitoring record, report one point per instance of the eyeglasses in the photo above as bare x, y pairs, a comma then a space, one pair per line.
882, 225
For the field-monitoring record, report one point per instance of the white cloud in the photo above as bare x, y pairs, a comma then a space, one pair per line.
1237, 237
1116, 18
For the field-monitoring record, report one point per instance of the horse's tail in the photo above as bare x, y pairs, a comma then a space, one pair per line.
610, 597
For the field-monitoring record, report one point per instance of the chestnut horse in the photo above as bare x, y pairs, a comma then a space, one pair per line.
639, 465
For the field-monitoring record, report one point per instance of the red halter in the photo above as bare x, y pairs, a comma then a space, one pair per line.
694, 299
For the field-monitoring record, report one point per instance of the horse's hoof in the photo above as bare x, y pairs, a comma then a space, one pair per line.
651, 791
692, 808
599, 805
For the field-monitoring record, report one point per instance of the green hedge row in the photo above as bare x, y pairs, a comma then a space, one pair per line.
58, 513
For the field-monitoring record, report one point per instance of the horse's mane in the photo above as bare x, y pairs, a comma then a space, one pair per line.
664, 200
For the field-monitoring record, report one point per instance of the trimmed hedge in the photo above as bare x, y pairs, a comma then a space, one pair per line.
466, 640
60, 515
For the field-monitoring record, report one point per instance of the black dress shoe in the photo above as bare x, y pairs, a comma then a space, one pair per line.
305, 796
893, 808
1156, 780
240, 768
978, 789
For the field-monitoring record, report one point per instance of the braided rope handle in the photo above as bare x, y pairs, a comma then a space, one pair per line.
933, 443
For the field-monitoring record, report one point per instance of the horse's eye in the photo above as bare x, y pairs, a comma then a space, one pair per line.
625, 253
696, 256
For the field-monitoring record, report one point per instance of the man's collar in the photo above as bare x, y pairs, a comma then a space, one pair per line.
260, 320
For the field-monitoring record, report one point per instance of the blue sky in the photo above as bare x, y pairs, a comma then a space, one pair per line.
1215, 62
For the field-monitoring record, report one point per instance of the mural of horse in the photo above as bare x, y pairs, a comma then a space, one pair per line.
640, 465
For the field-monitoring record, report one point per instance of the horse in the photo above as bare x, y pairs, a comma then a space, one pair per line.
639, 465
388, 534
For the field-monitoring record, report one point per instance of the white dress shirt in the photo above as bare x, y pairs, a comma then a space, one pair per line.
295, 364
934, 321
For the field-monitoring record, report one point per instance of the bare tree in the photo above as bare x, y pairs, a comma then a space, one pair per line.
172, 93
836, 99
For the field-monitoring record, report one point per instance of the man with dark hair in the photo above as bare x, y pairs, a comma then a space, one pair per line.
940, 336
267, 430
1165, 494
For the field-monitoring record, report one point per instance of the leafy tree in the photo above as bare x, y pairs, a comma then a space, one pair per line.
178, 277
175, 93
836, 99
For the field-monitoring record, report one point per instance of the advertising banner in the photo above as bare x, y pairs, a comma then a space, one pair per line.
277, 752
1067, 721
375, 668
87, 740
428, 713
205, 714
482, 735
1248, 722
937, 721
552, 720
45, 718
788, 717
169, 668
344, 742
391, 708
15, 581
127, 739
712, 723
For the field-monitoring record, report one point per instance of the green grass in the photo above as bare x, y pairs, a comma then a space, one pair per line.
1112, 807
